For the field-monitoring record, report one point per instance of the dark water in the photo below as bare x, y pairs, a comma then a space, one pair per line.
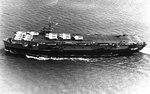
112, 75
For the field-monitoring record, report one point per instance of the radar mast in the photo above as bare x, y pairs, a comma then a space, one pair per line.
49, 28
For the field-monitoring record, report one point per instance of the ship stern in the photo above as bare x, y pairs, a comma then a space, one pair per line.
7, 42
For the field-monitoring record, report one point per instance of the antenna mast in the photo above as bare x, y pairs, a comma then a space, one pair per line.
49, 23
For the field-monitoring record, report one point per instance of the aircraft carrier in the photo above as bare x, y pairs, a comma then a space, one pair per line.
47, 42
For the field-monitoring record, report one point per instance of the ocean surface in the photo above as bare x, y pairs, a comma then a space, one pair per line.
101, 75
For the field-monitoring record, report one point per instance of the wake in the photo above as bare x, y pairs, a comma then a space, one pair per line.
44, 58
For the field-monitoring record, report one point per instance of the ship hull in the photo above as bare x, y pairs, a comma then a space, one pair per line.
70, 53
19, 49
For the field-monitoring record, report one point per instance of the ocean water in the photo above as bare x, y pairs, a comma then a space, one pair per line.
101, 75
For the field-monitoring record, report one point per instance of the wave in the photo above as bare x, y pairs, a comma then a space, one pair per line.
44, 58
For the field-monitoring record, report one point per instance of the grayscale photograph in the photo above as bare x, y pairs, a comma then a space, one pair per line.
74, 46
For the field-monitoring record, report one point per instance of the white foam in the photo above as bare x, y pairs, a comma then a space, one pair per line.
52, 2
37, 57
61, 58
146, 50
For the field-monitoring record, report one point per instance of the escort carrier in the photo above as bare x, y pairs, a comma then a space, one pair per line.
47, 42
